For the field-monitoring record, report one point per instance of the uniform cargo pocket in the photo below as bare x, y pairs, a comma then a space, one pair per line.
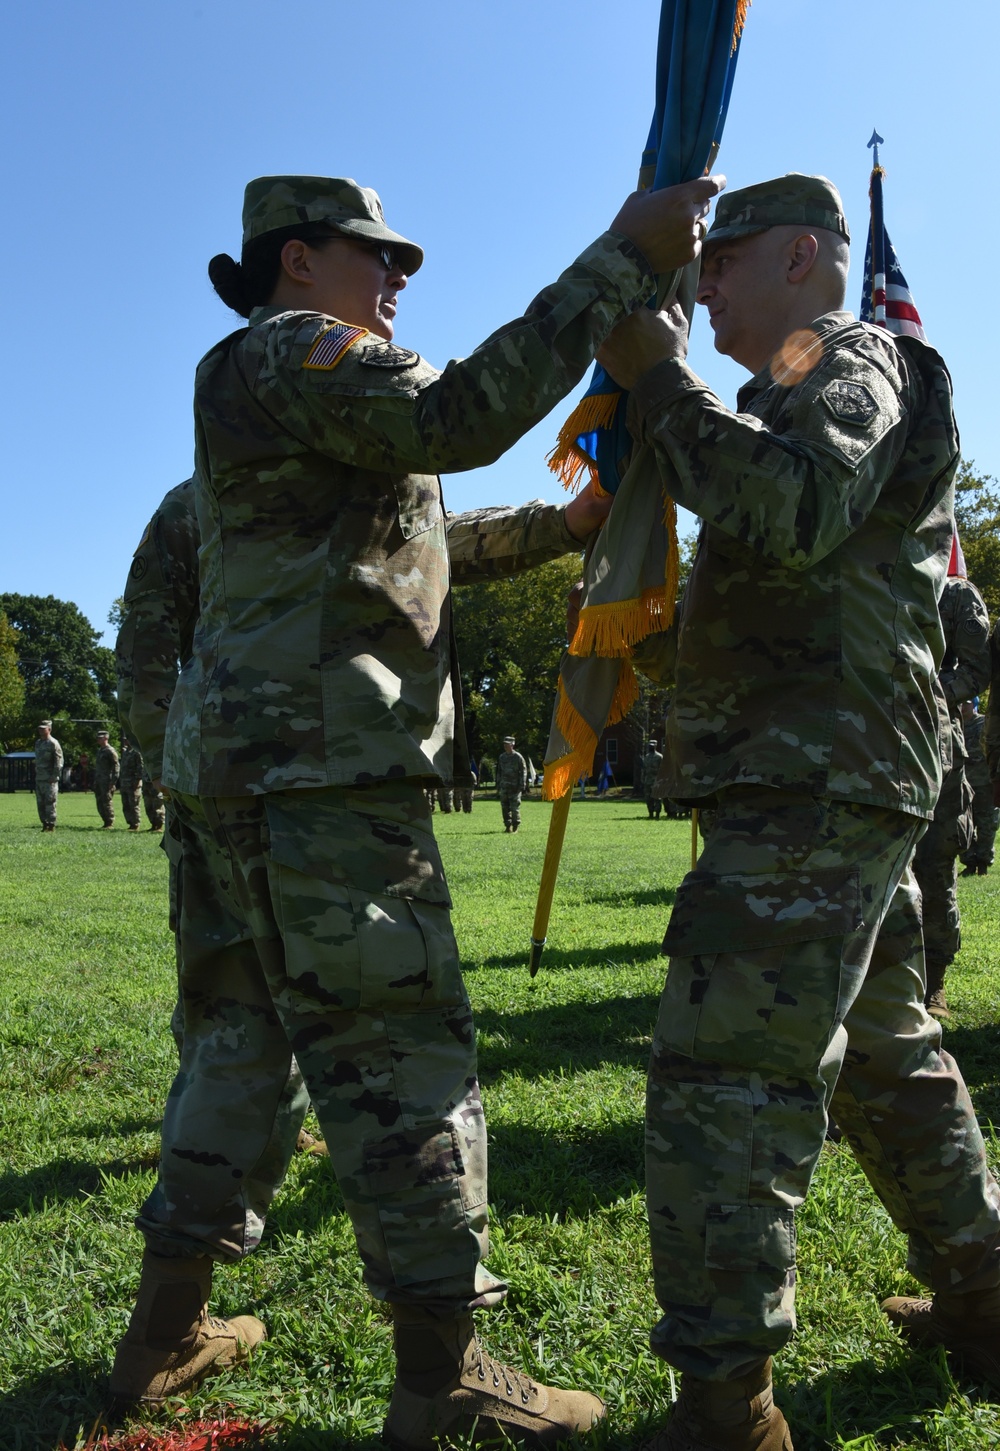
741, 912
750, 984
746, 1237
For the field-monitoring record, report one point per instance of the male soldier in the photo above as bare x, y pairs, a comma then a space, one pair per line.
130, 783
965, 670
512, 777
320, 698
979, 857
651, 763
105, 779
48, 767
806, 706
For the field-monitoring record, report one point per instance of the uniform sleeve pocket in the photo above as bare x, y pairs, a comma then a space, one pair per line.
418, 500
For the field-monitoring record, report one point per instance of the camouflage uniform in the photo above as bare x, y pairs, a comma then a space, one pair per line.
651, 763
160, 614
48, 767
130, 785
154, 803
979, 857
512, 777
321, 697
807, 702
965, 671
105, 781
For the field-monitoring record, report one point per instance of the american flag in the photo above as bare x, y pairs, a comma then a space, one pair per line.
886, 299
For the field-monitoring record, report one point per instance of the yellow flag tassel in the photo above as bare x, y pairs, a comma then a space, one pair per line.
567, 460
741, 19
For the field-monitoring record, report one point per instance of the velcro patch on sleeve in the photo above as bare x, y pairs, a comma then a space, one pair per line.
850, 402
388, 355
331, 345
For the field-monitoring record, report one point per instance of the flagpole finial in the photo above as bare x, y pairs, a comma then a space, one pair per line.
874, 144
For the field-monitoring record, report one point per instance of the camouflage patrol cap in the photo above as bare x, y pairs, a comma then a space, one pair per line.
270, 202
508, 740
790, 200
45, 723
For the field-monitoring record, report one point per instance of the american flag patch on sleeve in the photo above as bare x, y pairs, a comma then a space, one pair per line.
328, 349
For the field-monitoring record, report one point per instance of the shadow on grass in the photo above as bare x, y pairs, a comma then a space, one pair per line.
48, 1409
572, 1037
556, 959
51, 1409
63, 1179
874, 1405
977, 1052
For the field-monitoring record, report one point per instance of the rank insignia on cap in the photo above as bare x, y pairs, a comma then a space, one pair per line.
850, 402
331, 345
387, 355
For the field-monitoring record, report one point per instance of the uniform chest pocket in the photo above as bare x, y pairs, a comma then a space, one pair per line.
418, 502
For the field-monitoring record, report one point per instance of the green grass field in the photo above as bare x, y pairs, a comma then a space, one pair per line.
86, 966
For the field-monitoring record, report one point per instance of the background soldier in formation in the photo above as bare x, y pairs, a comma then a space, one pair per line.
806, 687
48, 769
130, 783
979, 857
154, 802
105, 779
512, 777
465, 795
965, 671
314, 803
650, 768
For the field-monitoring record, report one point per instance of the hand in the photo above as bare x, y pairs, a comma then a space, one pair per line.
641, 341
587, 512
668, 225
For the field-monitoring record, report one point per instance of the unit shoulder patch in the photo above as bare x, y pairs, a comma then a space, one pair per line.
331, 345
388, 355
850, 402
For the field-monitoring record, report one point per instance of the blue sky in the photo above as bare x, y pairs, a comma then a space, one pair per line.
501, 137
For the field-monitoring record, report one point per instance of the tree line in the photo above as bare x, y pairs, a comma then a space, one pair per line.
510, 634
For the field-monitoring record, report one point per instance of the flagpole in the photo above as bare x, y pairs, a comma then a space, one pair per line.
550, 871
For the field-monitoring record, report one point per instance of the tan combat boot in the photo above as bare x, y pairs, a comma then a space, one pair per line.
172, 1342
968, 1326
447, 1385
934, 999
729, 1415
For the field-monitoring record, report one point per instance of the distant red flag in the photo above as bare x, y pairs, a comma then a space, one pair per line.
886, 298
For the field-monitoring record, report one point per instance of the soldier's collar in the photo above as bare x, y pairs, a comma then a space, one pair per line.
798, 355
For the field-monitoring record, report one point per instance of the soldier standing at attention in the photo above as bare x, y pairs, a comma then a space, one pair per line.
979, 857
806, 706
651, 763
48, 767
965, 671
512, 777
130, 783
105, 779
320, 700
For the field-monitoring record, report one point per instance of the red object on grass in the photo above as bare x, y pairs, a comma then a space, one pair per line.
198, 1436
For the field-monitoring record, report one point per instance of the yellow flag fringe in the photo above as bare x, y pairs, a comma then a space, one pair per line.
613, 628
562, 774
567, 460
739, 22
